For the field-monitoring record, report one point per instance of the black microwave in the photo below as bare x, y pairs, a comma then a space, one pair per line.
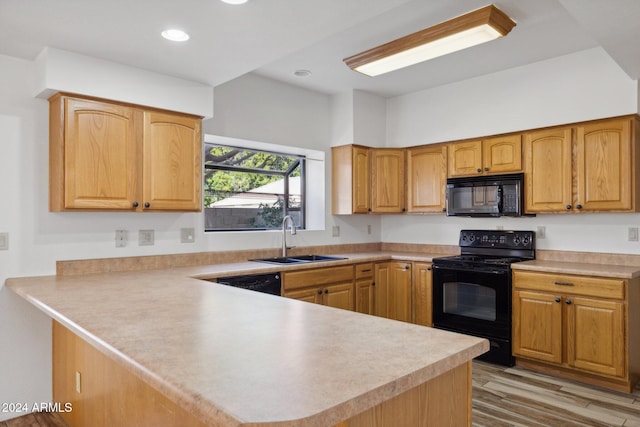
485, 196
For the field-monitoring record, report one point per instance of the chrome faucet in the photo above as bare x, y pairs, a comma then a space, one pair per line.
284, 233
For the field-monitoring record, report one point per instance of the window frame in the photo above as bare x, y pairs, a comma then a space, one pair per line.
286, 174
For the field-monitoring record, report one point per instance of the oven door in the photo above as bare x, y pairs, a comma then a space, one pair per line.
474, 301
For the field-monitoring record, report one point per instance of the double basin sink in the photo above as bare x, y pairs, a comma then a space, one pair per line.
298, 259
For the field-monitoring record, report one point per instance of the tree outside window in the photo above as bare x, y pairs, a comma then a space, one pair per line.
249, 189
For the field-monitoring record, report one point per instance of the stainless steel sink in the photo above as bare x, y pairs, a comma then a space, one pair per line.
314, 258
298, 259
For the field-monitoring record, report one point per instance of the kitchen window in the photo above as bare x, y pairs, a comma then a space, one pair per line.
252, 189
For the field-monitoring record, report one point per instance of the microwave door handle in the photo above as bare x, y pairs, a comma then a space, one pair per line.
499, 198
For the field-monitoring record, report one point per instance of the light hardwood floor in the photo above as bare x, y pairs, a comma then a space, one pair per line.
519, 397
507, 397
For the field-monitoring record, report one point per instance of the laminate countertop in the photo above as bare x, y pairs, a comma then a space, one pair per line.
234, 357
579, 268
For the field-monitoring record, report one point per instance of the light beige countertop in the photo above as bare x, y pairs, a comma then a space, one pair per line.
584, 269
237, 357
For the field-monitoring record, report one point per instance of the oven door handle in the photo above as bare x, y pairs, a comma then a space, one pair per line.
477, 270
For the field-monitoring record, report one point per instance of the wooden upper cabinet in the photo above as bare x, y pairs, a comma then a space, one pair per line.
501, 154
109, 156
387, 180
172, 162
426, 178
93, 153
589, 167
351, 180
604, 165
465, 158
548, 170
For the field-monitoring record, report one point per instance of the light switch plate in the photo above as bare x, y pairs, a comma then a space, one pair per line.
335, 231
146, 237
187, 235
4, 241
632, 234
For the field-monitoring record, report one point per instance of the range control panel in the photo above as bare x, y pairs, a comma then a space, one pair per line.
497, 239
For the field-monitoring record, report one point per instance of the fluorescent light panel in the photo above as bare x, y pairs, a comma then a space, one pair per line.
471, 29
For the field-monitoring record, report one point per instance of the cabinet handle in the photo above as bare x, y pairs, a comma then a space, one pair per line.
373, 283
578, 206
135, 204
326, 291
369, 210
568, 302
319, 291
558, 299
444, 209
147, 204
563, 283
568, 207
486, 169
478, 170
428, 268
406, 267
366, 271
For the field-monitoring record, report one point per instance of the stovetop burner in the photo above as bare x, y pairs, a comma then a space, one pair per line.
492, 248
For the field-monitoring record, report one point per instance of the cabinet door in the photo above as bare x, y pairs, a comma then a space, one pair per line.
537, 326
596, 335
422, 294
548, 171
361, 180
604, 166
393, 290
313, 295
172, 148
426, 179
465, 158
339, 295
99, 150
350, 180
364, 289
502, 154
387, 180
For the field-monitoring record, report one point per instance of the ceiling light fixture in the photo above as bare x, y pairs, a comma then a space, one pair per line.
235, 1
175, 35
480, 26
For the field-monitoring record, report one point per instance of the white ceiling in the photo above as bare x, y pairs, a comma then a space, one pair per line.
274, 38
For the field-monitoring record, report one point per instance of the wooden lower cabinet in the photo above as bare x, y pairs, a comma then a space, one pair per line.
444, 401
422, 294
331, 286
393, 297
102, 393
579, 326
365, 288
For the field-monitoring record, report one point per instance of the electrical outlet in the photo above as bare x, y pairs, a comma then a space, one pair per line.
541, 232
369, 229
4, 241
335, 231
121, 238
146, 237
187, 235
632, 234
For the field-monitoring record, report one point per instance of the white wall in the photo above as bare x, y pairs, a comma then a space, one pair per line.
252, 108
581, 86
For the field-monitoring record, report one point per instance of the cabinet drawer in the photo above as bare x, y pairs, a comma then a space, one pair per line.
316, 277
568, 284
364, 270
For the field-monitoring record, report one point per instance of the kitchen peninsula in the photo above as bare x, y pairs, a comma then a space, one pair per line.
190, 352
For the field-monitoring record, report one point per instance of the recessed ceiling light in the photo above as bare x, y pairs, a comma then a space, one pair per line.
302, 73
235, 1
175, 35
